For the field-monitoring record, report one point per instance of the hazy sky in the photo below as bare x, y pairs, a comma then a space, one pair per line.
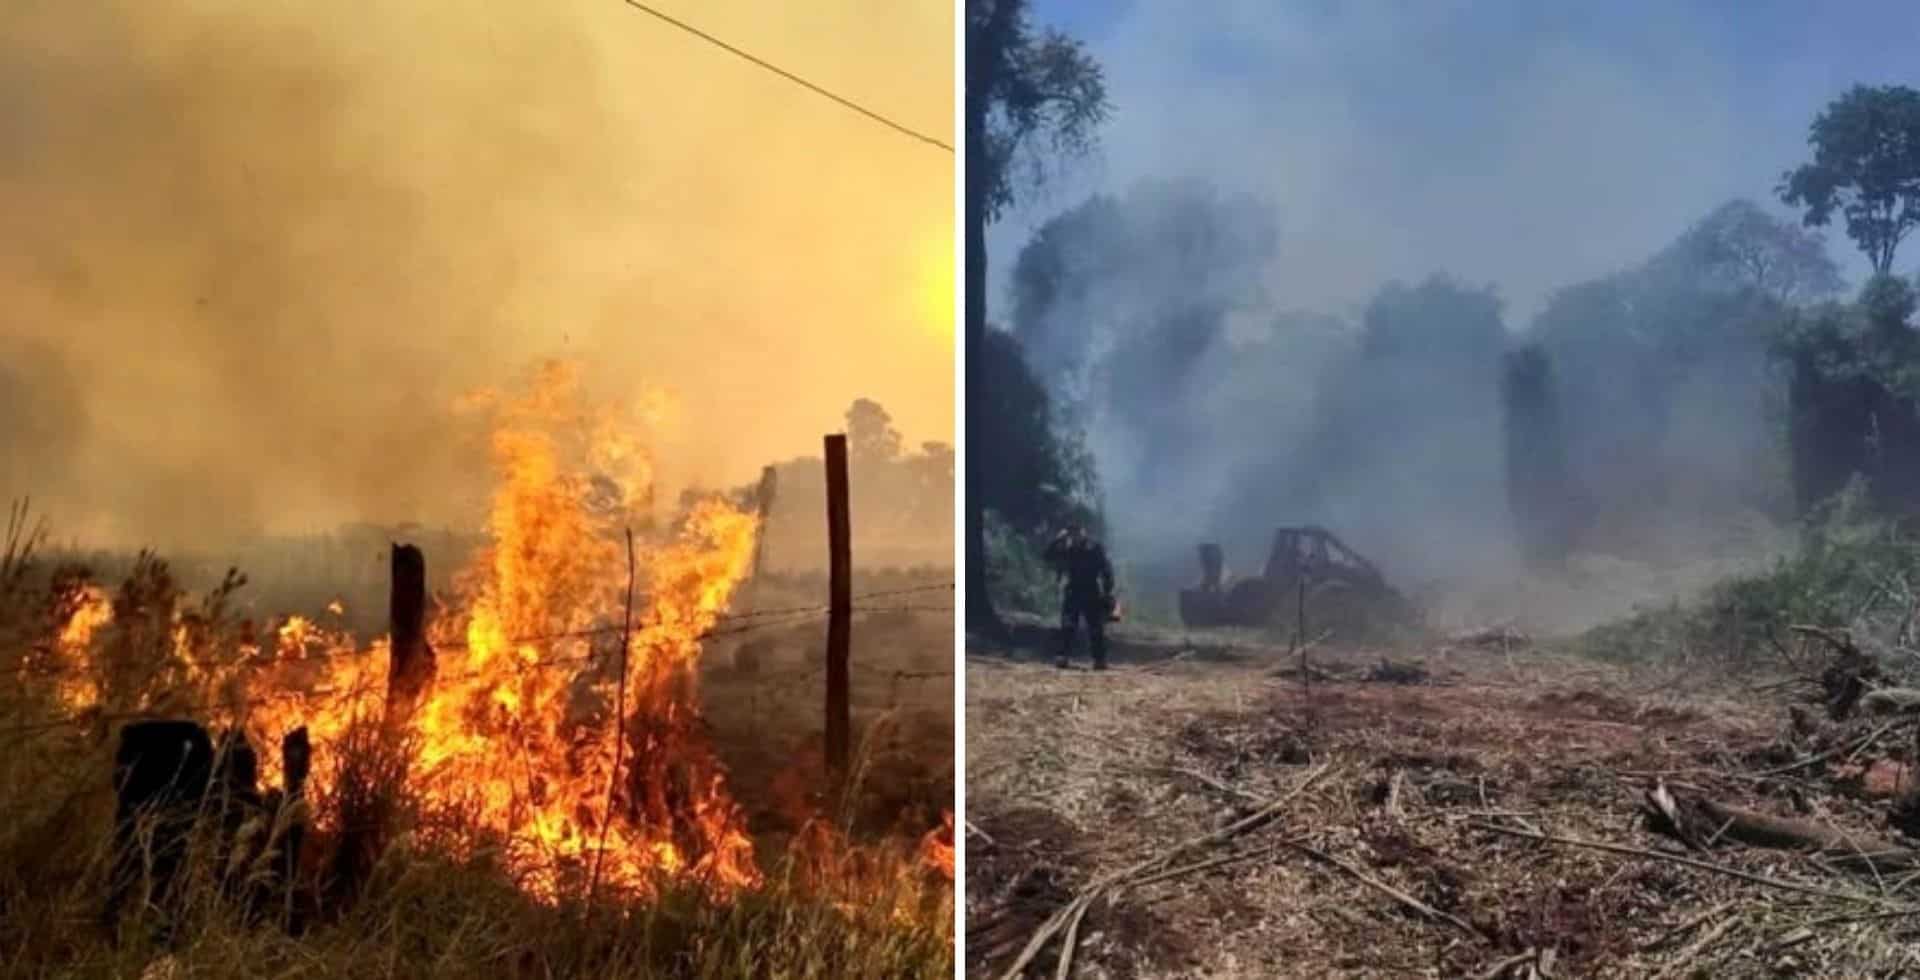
1525, 144
254, 250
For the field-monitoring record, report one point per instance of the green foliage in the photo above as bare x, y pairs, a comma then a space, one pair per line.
1852, 570
1866, 165
1031, 95
1024, 91
1020, 577
1867, 340
1854, 388
1037, 474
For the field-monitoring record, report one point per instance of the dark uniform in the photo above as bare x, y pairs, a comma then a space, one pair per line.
1089, 591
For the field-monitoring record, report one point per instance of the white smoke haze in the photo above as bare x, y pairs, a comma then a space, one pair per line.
1507, 147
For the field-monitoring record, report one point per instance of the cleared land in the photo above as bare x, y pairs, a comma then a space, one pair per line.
1411, 796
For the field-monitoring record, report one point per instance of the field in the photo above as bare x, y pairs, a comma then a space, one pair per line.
1453, 809
847, 884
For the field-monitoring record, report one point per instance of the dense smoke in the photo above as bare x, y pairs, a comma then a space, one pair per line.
1318, 235
256, 252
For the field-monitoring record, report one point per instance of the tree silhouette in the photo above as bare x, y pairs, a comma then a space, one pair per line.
871, 436
1026, 92
1866, 164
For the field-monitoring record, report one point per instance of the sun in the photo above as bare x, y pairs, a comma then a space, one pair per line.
933, 292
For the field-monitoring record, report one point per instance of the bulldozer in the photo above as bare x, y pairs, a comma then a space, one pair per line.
1310, 575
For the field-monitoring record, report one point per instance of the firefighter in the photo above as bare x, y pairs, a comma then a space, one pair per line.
1082, 563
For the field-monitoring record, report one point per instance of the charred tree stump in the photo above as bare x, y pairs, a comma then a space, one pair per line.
839, 607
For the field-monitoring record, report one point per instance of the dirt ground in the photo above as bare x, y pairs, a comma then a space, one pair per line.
1397, 852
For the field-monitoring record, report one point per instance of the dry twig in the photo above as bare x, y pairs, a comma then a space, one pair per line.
1758, 879
1069, 916
1423, 909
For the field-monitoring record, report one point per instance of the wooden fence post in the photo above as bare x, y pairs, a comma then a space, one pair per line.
368, 782
411, 667
839, 605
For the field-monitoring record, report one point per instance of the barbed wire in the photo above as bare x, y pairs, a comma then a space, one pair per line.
767, 619
787, 614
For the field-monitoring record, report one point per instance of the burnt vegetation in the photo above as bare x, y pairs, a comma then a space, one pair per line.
161, 816
1654, 713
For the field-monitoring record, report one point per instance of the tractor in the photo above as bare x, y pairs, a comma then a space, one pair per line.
1309, 575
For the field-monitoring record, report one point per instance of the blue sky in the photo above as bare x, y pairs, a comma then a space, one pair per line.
1529, 145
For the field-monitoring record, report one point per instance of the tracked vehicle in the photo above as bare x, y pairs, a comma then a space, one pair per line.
1308, 570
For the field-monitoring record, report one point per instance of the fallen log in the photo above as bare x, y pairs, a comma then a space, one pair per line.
1388, 672
1503, 635
1890, 700
1701, 823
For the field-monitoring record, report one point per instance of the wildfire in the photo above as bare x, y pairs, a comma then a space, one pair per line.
86, 608
515, 737
936, 849
92, 608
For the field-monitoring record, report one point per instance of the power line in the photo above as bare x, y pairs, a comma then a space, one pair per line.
790, 76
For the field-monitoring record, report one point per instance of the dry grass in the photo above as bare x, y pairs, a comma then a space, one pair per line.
1401, 859
859, 901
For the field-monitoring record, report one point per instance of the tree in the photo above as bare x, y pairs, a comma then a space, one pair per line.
871, 436
1040, 477
1866, 164
1738, 245
1122, 305
1664, 374
1854, 398
1402, 425
1023, 91
1538, 492
1102, 273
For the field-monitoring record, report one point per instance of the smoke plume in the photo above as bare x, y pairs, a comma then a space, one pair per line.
256, 252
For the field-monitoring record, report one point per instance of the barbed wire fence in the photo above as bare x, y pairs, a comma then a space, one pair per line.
725, 625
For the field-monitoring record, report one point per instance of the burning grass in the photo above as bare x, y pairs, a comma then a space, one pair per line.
1408, 840
560, 759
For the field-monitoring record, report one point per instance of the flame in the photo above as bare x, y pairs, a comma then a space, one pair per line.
92, 609
936, 849
512, 749
517, 731
85, 609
